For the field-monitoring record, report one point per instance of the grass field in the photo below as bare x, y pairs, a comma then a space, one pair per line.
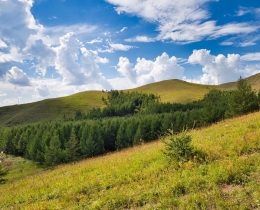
143, 178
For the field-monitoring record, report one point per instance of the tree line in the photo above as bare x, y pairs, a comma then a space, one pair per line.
128, 119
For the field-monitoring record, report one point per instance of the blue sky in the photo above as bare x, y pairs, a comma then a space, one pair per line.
56, 48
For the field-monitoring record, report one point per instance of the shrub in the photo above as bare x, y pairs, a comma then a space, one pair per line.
179, 147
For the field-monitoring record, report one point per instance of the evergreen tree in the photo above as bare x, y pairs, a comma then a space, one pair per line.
35, 148
53, 154
243, 100
72, 148
94, 142
121, 138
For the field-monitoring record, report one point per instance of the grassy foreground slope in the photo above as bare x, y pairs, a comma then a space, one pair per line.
142, 178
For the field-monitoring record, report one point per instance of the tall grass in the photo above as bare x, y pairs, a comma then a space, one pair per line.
142, 177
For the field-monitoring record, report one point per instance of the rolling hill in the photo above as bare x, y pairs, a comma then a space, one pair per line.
142, 178
58, 108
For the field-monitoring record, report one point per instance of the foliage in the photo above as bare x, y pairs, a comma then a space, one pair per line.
179, 147
72, 150
243, 100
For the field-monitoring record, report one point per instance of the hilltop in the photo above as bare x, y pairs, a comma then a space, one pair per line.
174, 91
141, 177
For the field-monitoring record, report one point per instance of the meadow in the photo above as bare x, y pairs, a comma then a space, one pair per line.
142, 177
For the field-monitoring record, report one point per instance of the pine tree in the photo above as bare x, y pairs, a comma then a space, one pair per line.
243, 100
94, 142
72, 148
121, 138
53, 154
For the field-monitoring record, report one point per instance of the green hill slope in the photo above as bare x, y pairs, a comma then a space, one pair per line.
50, 109
142, 178
54, 109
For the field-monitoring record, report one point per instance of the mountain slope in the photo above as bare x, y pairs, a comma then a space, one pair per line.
56, 109
142, 178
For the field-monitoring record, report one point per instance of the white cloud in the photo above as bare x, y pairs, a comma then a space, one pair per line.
76, 64
181, 21
245, 10
122, 47
112, 47
41, 91
3, 94
247, 44
234, 28
217, 69
44, 55
23, 39
148, 71
2, 44
122, 30
140, 39
8, 102
251, 57
252, 69
226, 43
98, 40
124, 67
16, 76
17, 26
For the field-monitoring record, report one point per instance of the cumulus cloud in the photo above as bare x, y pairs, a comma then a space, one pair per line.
17, 29
124, 67
148, 71
76, 64
181, 21
16, 76
44, 55
217, 69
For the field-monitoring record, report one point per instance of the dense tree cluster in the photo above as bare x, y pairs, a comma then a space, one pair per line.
129, 119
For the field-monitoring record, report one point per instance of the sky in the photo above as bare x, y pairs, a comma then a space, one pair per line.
55, 48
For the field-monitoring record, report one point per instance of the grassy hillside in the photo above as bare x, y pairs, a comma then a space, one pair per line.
142, 178
54, 109
50, 109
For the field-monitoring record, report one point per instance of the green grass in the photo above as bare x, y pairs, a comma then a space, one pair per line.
19, 168
174, 91
142, 177
50, 109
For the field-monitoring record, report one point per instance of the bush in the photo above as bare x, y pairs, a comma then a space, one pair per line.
179, 147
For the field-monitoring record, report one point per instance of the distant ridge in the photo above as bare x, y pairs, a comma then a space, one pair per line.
174, 91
